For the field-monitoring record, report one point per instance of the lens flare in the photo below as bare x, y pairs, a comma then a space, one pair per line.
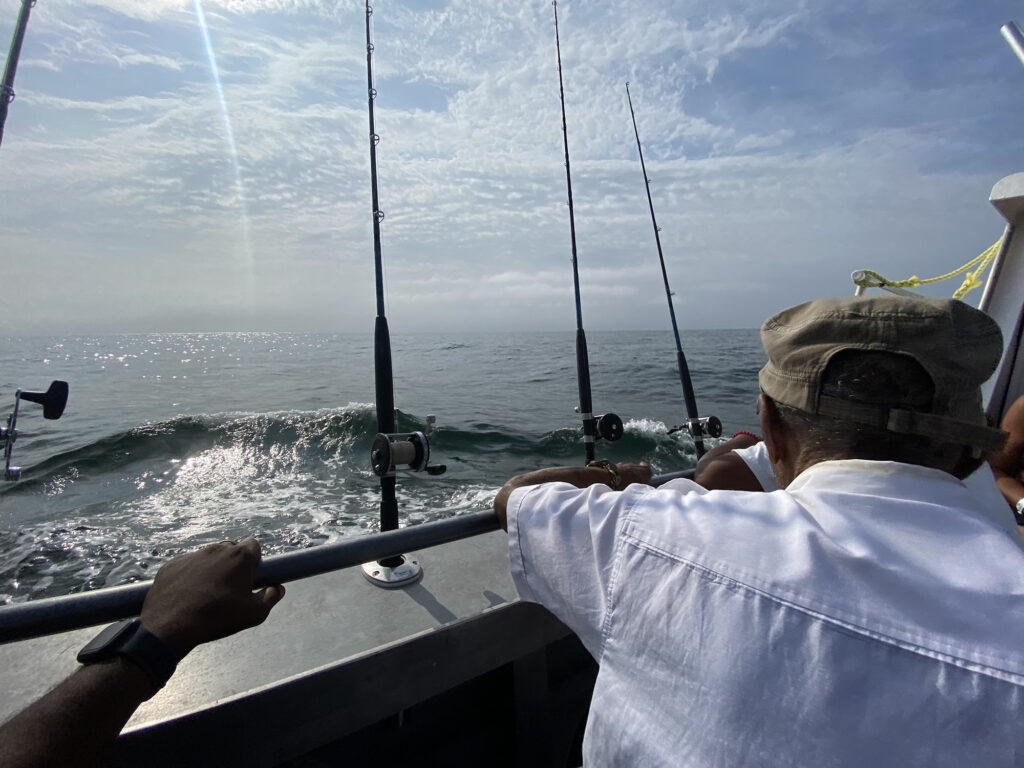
245, 240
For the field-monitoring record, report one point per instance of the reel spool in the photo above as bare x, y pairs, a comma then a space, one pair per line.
406, 451
608, 427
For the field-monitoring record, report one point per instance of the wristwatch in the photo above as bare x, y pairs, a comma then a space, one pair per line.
133, 641
616, 482
1018, 511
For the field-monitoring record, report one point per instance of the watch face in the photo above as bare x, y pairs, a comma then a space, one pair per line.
106, 643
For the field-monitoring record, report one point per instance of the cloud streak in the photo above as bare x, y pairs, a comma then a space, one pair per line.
787, 146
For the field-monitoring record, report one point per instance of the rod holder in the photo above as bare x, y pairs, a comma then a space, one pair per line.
393, 572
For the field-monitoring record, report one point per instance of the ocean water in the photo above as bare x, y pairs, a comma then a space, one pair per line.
173, 441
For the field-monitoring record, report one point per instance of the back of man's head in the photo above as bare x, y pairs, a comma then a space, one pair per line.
885, 377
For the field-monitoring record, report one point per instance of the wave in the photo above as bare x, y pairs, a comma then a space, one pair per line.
325, 432
306, 438
110, 511
642, 440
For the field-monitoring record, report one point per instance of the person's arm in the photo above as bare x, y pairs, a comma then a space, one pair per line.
722, 469
581, 477
195, 598
1007, 462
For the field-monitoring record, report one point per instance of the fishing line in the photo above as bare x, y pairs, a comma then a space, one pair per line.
607, 426
696, 426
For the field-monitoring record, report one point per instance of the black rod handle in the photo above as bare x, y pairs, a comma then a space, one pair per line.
586, 401
690, 399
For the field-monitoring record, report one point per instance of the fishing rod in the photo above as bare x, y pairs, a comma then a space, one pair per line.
697, 427
11, 67
391, 451
607, 426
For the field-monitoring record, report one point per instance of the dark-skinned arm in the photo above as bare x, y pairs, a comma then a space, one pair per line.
1007, 462
720, 469
195, 598
581, 477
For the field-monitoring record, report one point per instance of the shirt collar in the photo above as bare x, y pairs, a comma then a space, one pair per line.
826, 472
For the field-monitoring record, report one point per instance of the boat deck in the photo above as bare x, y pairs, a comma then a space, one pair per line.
337, 655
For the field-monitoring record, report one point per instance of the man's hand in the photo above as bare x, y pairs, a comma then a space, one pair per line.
634, 473
195, 598
1008, 461
207, 595
723, 469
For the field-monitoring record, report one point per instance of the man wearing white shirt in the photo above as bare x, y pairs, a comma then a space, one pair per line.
867, 613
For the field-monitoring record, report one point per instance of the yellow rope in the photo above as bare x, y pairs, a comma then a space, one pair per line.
971, 280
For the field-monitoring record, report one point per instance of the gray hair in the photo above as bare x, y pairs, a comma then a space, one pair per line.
881, 379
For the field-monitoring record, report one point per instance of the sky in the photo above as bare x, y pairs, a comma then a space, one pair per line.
203, 165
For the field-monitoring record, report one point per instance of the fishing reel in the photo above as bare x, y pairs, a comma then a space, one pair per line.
607, 426
406, 451
706, 426
53, 401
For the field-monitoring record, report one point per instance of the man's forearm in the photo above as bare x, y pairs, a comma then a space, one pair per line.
581, 477
739, 440
1011, 488
195, 598
75, 723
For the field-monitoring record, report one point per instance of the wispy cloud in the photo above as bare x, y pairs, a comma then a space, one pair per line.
787, 145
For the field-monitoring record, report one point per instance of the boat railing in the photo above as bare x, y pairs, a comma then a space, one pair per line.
48, 616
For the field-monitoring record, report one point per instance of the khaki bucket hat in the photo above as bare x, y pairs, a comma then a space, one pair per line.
957, 345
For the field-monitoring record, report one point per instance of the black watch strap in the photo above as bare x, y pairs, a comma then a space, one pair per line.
133, 641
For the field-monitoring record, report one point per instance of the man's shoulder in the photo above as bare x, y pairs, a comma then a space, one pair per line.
858, 560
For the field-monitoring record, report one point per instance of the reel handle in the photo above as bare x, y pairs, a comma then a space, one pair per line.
53, 400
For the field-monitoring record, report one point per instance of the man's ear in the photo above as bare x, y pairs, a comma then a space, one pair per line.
772, 429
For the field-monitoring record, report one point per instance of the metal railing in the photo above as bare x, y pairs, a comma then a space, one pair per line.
51, 615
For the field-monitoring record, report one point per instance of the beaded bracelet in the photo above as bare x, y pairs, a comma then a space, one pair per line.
748, 434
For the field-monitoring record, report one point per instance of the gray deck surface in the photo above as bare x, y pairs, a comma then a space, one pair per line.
322, 620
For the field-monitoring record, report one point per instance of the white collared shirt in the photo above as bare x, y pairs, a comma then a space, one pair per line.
865, 616
981, 483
